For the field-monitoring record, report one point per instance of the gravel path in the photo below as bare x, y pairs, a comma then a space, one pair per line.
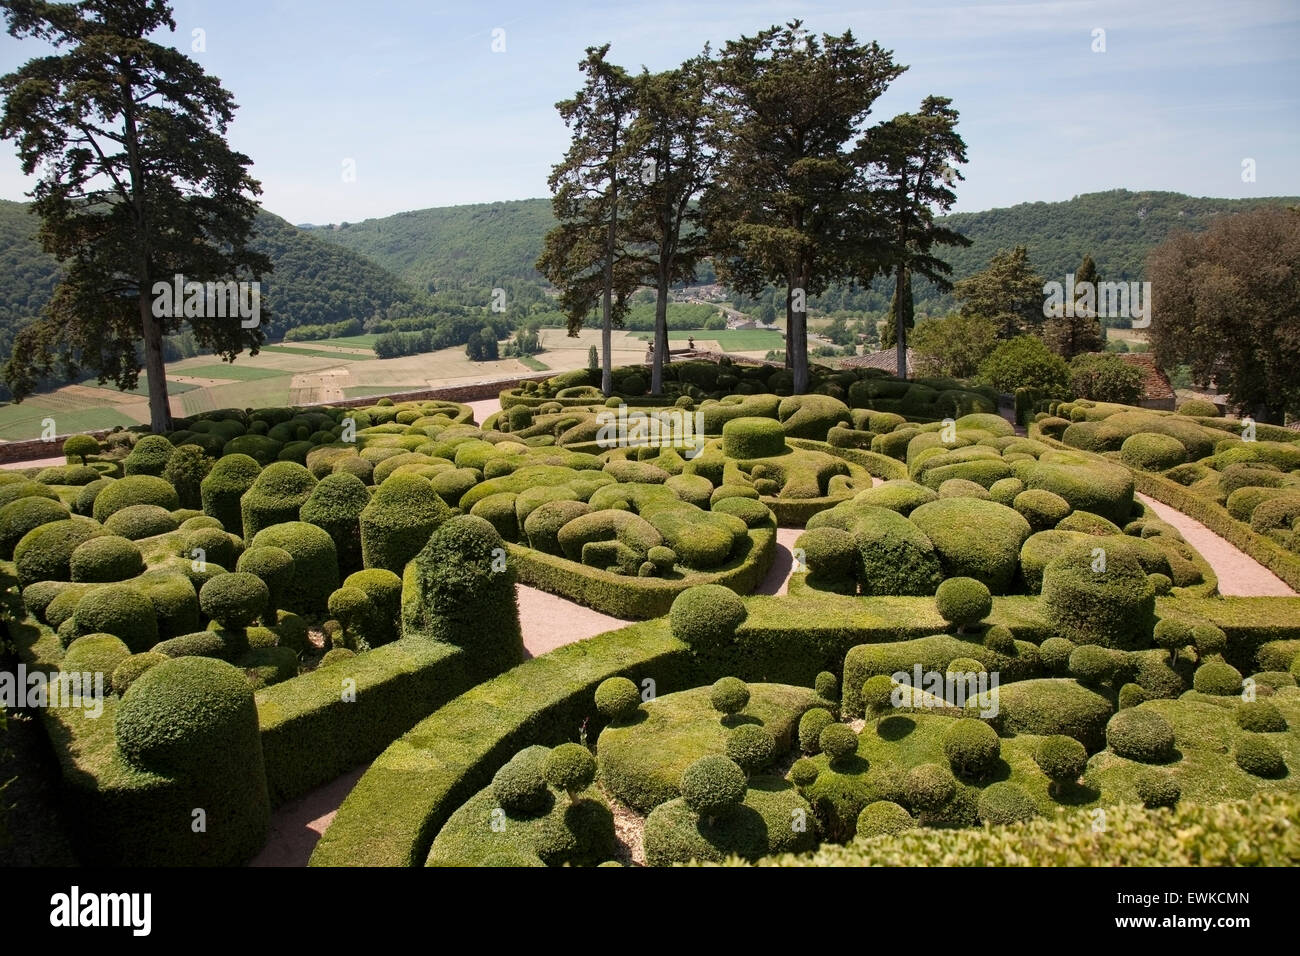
1239, 574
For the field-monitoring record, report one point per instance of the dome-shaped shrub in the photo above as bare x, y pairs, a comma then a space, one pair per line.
21, 516
315, 563
80, 447
1260, 717
384, 589
1062, 759
276, 496
149, 456
713, 786
105, 559
746, 438
838, 741
1217, 677
137, 522
1113, 606
1141, 735
1148, 451
126, 673
210, 544
804, 772
275, 568
1004, 803
830, 553
398, 521
972, 748
883, 818
811, 725
337, 655
975, 539
1042, 509
617, 699
963, 601
571, 768
729, 695
706, 616
1260, 757
234, 600
225, 485
1157, 789
827, 686
752, 747
135, 490
1000, 640
119, 610
335, 505
520, 785
97, 655
928, 786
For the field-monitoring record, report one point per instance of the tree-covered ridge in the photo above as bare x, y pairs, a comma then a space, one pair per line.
314, 282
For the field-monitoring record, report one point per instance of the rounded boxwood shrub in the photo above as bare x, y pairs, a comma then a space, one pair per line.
1000, 640
1199, 408
706, 616
135, 490
137, 522
336, 655
185, 471
1042, 509
838, 741
1062, 759
1209, 640
729, 695
398, 521
747, 438
1055, 654
713, 786
234, 600
194, 719
45, 552
21, 516
520, 784
811, 725
827, 686
335, 505
1004, 803
357, 615
617, 699
830, 553
894, 556
1217, 677
963, 601
1093, 665
149, 456
1260, 757
126, 673
571, 768
1149, 451
1113, 606
274, 566
804, 773
928, 786
1157, 789
752, 747
85, 501
1141, 735
884, 818
384, 589
1260, 717
315, 563
106, 559
749, 510
80, 447
209, 544
95, 654
276, 496
972, 748
121, 611
224, 486
975, 539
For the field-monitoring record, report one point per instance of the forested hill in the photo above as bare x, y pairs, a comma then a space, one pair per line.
483, 245
314, 282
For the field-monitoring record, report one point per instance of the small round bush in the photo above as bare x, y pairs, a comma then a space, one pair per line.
571, 768
224, 485
1148, 451
95, 654
1260, 717
119, 610
838, 741
1171, 634
928, 786
706, 616
999, 639
752, 747
1093, 665
1062, 759
811, 725
234, 600
1113, 606
729, 695
1160, 583
972, 748
106, 559
138, 522
963, 601
1042, 509
804, 773
884, 818
1157, 789
398, 521
1209, 640
617, 699
209, 544
878, 694
80, 447
830, 553
126, 673
21, 516
274, 566
713, 786
1260, 757
135, 490
827, 686
746, 438
149, 456
1004, 803
1217, 677
335, 655
965, 665
1131, 695
1141, 735
520, 785
1199, 408
1055, 654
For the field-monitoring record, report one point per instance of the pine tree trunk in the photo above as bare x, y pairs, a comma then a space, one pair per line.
661, 333
796, 348
607, 321
160, 413
900, 322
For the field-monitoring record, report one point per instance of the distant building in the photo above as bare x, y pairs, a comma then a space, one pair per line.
1156, 390
886, 360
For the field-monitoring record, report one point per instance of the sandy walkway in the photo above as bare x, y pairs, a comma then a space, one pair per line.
1240, 575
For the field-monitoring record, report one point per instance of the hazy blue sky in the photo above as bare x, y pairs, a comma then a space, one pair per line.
413, 93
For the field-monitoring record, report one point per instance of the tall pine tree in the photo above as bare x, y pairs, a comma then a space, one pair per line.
1070, 335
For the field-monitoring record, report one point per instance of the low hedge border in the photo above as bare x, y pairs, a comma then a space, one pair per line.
393, 813
1209, 513
637, 598
1248, 622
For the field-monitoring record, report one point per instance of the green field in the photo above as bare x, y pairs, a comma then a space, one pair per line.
731, 340
347, 341
22, 422
317, 353
535, 365
141, 387
230, 370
